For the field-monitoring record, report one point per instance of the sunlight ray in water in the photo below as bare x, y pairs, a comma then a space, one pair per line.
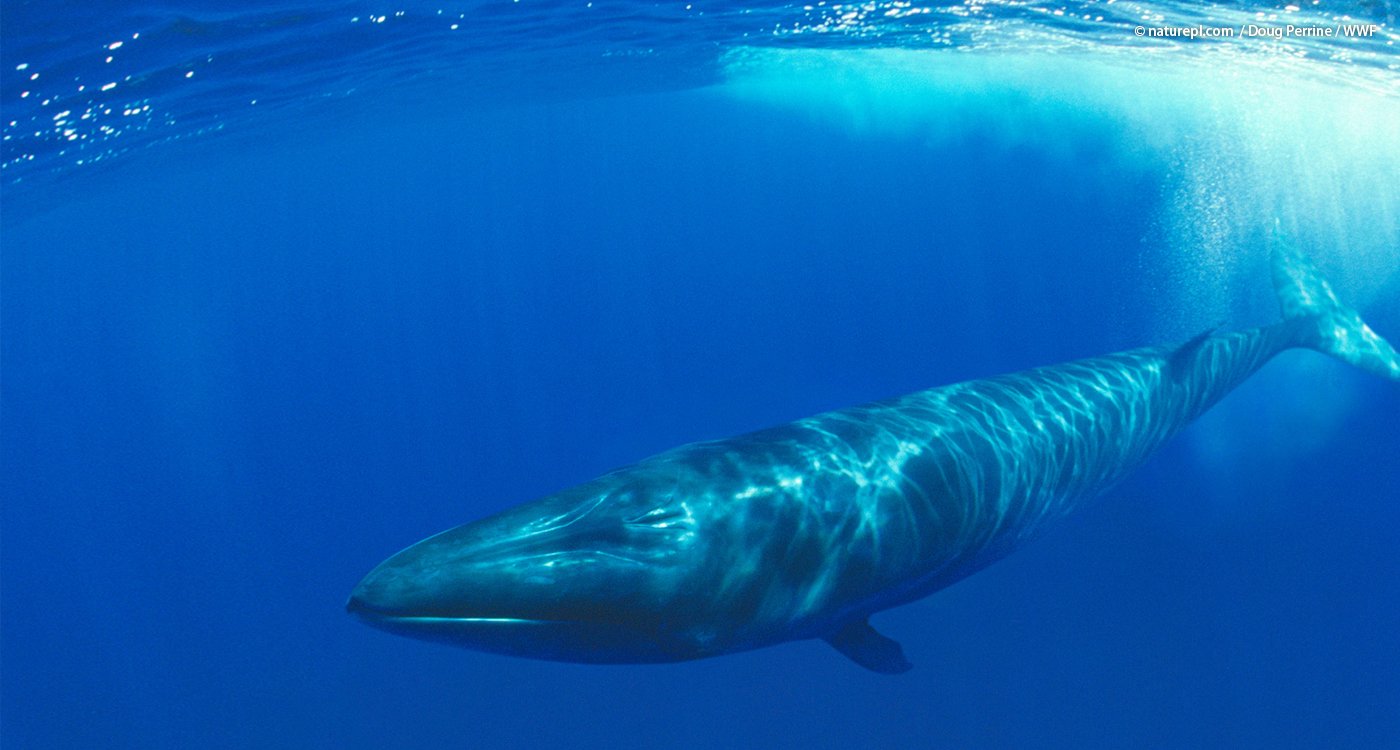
1239, 144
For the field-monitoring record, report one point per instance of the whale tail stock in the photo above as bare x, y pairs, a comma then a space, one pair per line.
1325, 324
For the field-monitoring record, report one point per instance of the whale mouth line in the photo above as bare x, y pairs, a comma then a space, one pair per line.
365, 612
577, 641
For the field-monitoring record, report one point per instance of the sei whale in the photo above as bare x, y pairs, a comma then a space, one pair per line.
806, 529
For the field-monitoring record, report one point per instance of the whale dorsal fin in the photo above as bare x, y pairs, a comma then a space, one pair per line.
1180, 363
862, 645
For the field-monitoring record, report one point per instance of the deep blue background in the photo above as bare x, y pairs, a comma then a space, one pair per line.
236, 376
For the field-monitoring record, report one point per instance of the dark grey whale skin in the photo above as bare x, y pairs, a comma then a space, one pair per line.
806, 529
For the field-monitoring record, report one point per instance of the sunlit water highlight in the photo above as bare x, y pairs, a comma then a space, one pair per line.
77, 92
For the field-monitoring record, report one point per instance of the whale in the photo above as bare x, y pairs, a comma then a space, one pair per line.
805, 530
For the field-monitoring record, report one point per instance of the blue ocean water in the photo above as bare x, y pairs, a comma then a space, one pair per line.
287, 287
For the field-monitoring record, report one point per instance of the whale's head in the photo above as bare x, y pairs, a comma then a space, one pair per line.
598, 573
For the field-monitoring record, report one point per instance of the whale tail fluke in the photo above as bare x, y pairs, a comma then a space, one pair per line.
1328, 325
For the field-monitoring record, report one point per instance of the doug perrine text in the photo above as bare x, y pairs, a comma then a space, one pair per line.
1252, 30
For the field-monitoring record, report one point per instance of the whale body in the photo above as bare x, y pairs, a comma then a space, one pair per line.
806, 529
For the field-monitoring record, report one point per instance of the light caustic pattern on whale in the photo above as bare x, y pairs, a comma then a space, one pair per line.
806, 529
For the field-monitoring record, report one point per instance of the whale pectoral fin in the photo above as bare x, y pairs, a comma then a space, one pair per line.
862, 645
